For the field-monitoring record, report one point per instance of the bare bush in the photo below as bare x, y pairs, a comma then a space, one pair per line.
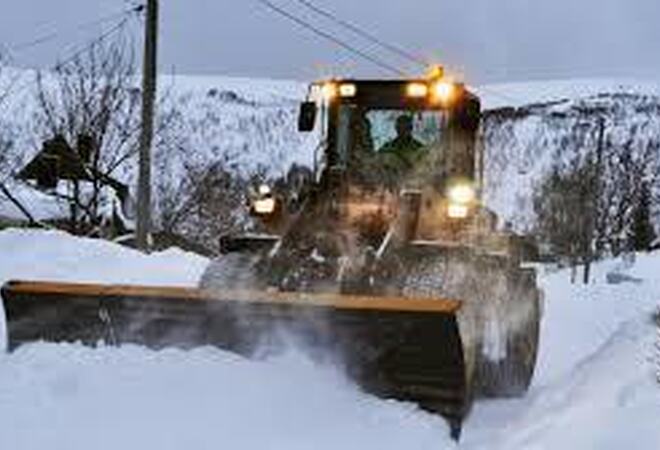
7, 156
91, 102
598, 199
562, 205
568, 205
200, 201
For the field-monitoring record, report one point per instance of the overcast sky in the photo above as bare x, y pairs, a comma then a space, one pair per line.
485, 40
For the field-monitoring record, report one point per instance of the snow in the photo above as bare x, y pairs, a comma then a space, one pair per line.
68, 397
583, 333
248, 124
606, 400
56, 255
594, 387
40, 205
542, 91
523, 145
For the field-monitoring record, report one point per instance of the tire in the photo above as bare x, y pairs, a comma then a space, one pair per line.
233, 271
511, 376
499, 319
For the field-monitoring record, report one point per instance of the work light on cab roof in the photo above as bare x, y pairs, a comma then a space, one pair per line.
435, 87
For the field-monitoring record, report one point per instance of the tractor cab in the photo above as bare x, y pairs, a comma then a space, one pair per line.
396, 133
386, 140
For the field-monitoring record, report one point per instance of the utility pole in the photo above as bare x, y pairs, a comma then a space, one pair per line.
595, 213
146, 136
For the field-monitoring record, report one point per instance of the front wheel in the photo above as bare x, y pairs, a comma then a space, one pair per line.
232, 271
500, 313
511, 375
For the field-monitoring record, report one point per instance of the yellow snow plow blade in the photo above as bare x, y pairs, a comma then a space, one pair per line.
395, 347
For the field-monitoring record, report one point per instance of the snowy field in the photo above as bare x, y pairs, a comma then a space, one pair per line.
594, 387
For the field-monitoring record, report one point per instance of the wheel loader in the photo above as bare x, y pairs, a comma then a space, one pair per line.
384, 261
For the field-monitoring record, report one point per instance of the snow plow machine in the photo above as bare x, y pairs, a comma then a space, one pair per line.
383, 260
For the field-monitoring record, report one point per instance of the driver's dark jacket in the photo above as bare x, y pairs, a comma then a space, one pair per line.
402, 151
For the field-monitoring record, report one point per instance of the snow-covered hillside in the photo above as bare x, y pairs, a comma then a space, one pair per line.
594, 387
524, 143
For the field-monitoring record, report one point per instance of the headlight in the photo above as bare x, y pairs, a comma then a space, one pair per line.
264, 206
456, 211
264, 190
462, 194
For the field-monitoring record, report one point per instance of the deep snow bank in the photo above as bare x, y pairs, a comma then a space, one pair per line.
579, 320
55, 255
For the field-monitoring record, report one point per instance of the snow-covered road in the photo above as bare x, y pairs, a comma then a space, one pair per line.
594, 387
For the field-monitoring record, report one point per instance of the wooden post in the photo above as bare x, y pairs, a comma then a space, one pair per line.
594, 207
146, 137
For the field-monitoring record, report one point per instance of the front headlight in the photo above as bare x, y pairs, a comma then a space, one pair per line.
456, 211
264, 206
264, 189
461, 197
462, 194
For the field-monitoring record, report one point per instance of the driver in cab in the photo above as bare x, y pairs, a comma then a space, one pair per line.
404, 150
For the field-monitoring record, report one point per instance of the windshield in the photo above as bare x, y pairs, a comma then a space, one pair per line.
386, 145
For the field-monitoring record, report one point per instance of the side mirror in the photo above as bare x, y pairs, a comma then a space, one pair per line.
307, 116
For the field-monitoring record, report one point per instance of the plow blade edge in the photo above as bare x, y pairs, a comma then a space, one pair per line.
408, 349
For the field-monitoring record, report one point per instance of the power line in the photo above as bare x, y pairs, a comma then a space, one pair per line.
388, 46
373, 39
90, 44
405, 54
383, 65
33, 43
102, 37
26, 45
